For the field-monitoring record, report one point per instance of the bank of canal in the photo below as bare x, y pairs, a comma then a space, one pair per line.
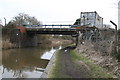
26, 62
68, 64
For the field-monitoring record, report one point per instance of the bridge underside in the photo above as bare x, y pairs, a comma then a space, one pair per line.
56, 31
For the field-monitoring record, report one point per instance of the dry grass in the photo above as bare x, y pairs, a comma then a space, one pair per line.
106, 61
6, 44
57, 42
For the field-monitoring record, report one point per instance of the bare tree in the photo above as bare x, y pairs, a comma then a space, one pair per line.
22, 18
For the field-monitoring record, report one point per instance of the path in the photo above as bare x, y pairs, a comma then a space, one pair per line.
68, 68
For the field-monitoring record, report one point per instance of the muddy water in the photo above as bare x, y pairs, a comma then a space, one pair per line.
26, 62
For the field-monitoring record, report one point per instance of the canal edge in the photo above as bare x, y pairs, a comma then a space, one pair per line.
51, 63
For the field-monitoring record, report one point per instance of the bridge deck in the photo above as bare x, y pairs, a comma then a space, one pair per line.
63, 31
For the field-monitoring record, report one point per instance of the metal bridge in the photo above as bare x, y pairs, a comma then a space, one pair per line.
52, 29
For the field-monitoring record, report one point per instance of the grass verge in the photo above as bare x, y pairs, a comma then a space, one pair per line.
54, 71
95, 70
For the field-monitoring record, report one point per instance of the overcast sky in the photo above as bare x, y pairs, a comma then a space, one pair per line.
60, 11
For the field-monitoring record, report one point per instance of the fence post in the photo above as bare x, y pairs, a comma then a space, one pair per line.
116, 42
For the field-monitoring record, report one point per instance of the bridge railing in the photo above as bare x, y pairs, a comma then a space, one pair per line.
51, 26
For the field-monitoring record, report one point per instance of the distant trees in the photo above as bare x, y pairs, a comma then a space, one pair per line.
24, 18
19, 20
77, 22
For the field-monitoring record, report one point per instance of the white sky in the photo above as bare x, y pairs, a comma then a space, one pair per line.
58, 10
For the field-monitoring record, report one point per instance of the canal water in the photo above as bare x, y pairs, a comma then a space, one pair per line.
26, 62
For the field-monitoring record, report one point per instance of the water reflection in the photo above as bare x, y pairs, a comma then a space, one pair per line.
26, 62
48, 54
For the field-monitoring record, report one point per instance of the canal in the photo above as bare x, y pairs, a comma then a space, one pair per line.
26, 62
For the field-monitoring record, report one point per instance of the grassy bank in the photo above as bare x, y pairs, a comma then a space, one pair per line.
78, 60
95, 70
57, 42
54, 73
